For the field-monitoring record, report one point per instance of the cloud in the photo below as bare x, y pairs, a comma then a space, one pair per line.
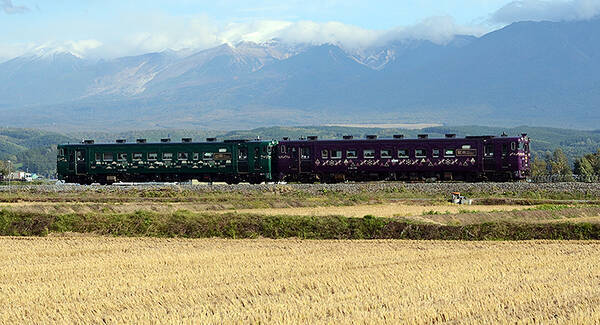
200, 32
440, 30
9, 8
538, 10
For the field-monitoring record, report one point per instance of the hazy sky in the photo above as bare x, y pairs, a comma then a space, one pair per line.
109, 28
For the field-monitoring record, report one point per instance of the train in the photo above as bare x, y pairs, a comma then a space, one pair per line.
305, 160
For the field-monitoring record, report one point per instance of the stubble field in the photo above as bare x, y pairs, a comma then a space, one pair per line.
89, 279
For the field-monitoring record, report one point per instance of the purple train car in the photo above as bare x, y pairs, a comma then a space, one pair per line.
473, 158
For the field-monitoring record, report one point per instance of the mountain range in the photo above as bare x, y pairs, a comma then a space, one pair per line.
534, 73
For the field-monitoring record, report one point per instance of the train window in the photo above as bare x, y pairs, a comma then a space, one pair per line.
282, 148
504, 149
386, 153
336, 154
152, 156
222, 149
420, 153
449, 153
402, 153
243, 154
61, 152
351, 154
305, 153
368, 153
488, 150
526, 147
466, 146
208, 155
98, 156
167, 156
122, 156
79, 156
324, 154
436, 153
182, 156
196, 155
513, 146
107, 156
137, 156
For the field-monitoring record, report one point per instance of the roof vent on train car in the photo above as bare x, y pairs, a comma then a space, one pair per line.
398, 136
312, 137
450, 135
140, 140
121, 140
286, 138
87, 141
301, 138
503, 134
348, 137
371, 137
165, 140
211, 139
523, 134
186, 139
423, 136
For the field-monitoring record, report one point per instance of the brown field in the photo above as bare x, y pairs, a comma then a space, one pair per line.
85, 279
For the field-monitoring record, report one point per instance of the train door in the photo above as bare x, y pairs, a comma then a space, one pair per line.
243, 165
80, 162
71, 160
489, 161
295, 161
305, 159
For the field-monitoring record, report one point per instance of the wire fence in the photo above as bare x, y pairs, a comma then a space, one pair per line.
565, 178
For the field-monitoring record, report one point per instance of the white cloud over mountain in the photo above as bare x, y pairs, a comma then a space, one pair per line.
538, 10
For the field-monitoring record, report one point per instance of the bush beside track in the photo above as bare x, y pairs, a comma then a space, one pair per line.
193, 225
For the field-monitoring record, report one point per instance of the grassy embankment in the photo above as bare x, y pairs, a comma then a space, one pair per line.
267, 213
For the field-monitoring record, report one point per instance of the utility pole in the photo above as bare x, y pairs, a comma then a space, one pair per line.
9, 177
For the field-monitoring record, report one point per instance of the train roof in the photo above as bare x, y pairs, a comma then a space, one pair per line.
165, 141
400, 137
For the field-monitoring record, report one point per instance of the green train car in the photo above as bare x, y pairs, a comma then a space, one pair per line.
230, 161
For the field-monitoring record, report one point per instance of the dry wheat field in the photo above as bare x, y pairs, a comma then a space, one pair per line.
89, 279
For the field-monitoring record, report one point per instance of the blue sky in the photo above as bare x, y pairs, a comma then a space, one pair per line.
112, 28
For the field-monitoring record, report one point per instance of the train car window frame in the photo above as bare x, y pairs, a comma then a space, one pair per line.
403, 153
196, 156
152, 156
107, 156
466, 146
305, 153
420, 153
504, 149
98, 156
243, 154
369, 154
449, 152
137, 156
336, 154
61, 152
167, 156
122, 156
282, 148
324, 154
513, 146
351, 154
79, 156
486, 150
385, 153
208, 156
435, 153
182, 156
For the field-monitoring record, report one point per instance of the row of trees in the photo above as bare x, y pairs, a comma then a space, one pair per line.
557, 164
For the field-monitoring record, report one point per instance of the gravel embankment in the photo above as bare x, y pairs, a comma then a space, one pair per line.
587, 189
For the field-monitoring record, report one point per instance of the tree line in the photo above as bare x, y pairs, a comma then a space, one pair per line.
557, 164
